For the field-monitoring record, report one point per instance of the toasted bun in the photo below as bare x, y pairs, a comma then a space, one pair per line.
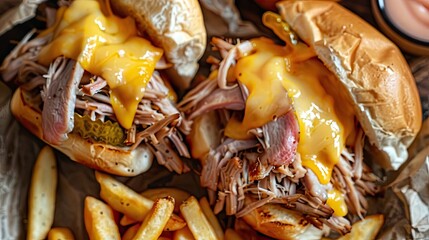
281, 223
175, 25
370, 67
114, 160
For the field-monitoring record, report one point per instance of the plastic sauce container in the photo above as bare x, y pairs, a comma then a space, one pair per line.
406, 22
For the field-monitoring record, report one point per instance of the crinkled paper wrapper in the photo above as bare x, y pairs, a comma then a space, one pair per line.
405, 203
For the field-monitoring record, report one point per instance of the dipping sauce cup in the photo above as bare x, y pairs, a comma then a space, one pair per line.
406, 22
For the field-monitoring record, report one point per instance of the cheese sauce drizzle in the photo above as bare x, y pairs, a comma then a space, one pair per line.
107, 46
271, 73
337, 203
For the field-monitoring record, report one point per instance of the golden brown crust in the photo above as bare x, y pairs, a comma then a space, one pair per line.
369, 66
175, 25
281, 223
114, 160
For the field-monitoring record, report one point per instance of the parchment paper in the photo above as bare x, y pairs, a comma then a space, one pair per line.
16, 15
405, 202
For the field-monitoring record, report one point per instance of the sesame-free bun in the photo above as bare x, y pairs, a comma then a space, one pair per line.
369, 67
175, 25
104, 157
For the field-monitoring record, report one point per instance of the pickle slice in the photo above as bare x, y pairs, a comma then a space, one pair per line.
105, 132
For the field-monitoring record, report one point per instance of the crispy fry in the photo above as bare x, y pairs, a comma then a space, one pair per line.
231, 234
178, 195
174, 223
41, 201
155, 193
366, 228
122, 198
131, 232
60, 233
134, 206
183, 234
99, 220
125, 221
211, 217
156, 220
196, 220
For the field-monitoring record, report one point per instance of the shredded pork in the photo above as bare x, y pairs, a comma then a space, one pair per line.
59, 98
157, 122
267, 167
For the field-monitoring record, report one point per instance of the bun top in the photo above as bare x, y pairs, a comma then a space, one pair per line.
175, 25
370, 67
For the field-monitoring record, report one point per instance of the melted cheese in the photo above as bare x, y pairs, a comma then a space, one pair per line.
260, 73
270, 73
337, 203
322, 136
108, 46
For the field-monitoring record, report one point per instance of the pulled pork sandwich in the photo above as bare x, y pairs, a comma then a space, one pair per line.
96, 86
280, 129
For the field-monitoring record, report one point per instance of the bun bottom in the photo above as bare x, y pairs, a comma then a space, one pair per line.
99, 156
278, 222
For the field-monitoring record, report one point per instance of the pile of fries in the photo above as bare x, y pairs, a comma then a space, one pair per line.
161, 213
122, 213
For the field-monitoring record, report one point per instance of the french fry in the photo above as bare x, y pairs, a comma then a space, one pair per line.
155, 193
183, 234
99, 220
133, 205
366, 228
178, 195
125, 221
41, 201
174, 223
131, 232
231, 234
196, 220
156, 220
204, 135
211, 217
122, 198
60, 233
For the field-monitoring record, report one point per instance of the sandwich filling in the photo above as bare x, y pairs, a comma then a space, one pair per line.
92, 73
283, 137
